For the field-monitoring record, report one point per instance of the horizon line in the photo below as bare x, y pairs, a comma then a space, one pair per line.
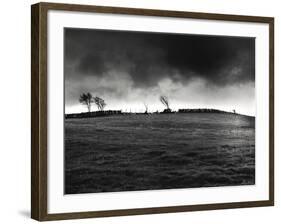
128, 111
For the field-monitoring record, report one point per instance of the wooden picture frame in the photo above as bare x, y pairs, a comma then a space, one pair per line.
39, 110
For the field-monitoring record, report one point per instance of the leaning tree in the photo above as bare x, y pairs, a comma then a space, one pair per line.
164, 100
87, 100
100, 103
146, 108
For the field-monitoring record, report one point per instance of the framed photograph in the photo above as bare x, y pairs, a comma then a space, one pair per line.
139, 111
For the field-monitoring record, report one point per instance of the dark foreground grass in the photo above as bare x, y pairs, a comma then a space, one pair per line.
161, 151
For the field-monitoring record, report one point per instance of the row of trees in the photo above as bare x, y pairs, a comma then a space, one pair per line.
88, 99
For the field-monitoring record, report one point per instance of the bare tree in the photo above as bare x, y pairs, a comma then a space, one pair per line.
164, 100
87, 100
146, 108
100, 103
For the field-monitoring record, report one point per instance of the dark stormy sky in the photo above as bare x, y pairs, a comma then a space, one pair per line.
128, 69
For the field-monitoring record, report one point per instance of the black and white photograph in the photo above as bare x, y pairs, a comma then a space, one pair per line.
155, 111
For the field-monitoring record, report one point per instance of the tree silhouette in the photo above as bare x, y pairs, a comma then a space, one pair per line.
146, 108
100, 103
164, 100
87, 100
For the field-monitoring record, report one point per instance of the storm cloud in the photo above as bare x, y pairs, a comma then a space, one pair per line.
122, 63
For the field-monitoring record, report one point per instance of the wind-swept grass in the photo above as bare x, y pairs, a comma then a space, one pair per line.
160, 151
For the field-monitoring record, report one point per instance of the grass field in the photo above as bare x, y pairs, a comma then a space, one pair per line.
159, 151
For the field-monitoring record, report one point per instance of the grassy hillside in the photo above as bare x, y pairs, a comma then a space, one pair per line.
158, 151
